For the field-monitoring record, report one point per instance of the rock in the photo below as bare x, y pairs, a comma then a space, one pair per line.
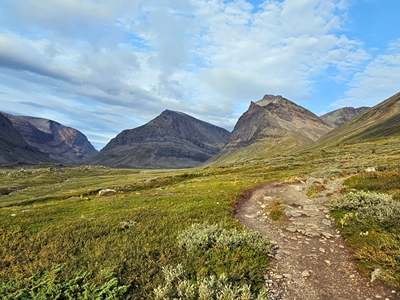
291, 229
375, 274
370, 169
328, 262
327, 235
305, 273
326, 222
107, 192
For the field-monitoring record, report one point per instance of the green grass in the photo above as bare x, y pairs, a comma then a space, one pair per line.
53, 216
374, 238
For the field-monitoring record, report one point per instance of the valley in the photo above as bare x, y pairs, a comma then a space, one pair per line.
59, 236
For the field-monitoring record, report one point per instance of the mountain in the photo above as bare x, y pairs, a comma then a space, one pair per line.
171, 140
382, 120
340, 116
273, 125
13, 148
61, 143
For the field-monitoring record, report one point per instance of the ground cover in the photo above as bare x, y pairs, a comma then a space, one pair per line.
52, 218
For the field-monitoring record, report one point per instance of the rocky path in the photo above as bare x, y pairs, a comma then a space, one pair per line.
311, 260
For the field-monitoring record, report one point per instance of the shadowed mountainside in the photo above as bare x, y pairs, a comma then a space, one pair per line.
61, 143
13, 148
340, 116
171, 140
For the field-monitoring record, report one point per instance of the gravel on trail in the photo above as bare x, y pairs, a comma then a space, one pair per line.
310, 260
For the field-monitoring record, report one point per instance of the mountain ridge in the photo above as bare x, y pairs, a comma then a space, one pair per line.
270, 126
340, 116
61, 143
171, 140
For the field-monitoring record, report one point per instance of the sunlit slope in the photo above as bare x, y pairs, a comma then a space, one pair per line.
271, 126
382, 120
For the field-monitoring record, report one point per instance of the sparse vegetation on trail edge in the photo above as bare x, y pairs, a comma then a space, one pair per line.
54, 216
370, 222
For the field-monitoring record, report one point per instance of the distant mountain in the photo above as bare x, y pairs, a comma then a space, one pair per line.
13, 148
171, 140
61, 143
382, 120
340, 116
273, 125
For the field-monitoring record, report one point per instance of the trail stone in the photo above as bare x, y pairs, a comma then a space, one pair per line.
107, 192
305, 273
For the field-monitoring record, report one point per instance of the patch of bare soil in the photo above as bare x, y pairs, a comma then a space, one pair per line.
311, 260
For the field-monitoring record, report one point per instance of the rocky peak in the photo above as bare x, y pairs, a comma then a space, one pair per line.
171, 140
61, 143
275, 120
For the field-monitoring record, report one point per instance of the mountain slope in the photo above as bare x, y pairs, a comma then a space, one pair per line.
171, 140
382, 120
63, 144
13, 148
340, 116
273, 125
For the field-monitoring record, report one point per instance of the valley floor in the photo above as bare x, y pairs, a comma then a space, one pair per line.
311, 259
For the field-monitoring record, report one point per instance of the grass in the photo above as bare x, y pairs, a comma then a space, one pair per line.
275, 210
53, 215
374, 234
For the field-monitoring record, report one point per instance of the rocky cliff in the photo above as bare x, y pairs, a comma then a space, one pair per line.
13, 148
340, 116
171, 140
61, 143
273, 125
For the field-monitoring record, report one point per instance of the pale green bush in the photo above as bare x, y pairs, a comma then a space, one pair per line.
381, 207
354, 201
177, 286
204, 236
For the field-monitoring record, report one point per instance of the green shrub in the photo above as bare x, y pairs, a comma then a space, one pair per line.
377, 207
204, 236
49, 285
354, 201
178, 286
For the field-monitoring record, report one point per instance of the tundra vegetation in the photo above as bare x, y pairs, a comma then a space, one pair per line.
172, 233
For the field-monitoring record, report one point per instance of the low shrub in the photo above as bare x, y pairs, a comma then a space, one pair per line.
178, 286
50, 285
202, 236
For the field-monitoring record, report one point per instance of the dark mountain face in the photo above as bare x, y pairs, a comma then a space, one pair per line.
61, 143
172, 140
340, 116
13, 148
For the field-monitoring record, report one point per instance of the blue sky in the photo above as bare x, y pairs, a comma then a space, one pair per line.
104, 66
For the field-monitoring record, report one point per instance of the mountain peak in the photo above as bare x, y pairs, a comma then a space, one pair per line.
273, 125
267, 99
171, 140
63, 144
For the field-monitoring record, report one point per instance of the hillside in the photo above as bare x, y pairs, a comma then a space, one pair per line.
171, 140
273, 125
382, 120
61, 143
340, 116
13, 148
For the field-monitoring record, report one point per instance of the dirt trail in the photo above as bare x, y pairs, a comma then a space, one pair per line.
311, 260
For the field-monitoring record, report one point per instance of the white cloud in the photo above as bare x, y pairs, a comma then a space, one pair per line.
130, 59
376, 82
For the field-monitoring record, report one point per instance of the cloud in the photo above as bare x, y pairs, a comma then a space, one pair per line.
376, 82
105, 66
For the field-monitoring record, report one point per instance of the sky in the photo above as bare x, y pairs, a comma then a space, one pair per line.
104, 66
